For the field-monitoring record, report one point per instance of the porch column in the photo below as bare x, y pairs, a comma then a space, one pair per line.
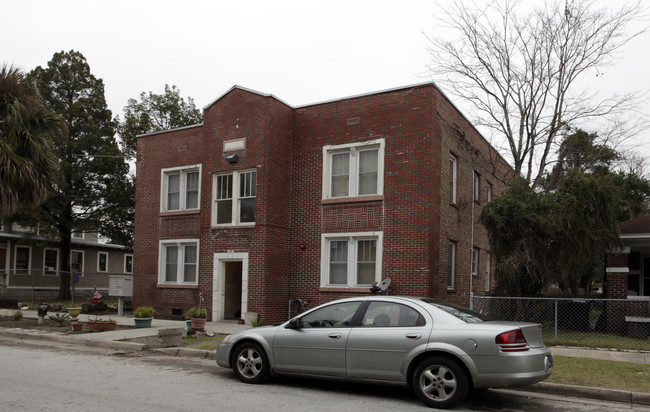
616, 286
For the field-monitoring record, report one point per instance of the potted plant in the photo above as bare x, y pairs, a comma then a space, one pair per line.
198, 316
77, 326
143, 315
99, 324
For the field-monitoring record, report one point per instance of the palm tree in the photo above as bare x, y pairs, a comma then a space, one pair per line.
28, 165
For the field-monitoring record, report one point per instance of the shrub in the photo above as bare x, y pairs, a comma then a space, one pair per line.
196, 312
18, 315
144, 312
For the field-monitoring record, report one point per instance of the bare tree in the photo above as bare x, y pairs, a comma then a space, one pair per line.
519, 72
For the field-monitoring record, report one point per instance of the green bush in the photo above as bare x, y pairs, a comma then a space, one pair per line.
18, 315
144, 312
196, 312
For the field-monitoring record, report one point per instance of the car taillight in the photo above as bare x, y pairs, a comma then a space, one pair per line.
512, 341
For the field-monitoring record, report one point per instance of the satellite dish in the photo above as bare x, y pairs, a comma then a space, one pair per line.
381, 286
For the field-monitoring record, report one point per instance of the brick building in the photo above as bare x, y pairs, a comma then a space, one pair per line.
263, 203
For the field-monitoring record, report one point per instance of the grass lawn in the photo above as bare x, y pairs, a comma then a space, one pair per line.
594, 340
601, 373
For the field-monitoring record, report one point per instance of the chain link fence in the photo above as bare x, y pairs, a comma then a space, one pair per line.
603, 323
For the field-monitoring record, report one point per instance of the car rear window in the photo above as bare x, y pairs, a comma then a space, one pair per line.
460, 312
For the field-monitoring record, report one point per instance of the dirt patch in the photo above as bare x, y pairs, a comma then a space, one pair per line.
47, 325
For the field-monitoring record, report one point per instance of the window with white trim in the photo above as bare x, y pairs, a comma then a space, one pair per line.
128, 263
102, 262
351, 259
451, 265
488, 263
50, 262
77, 235
181, 188
23, 261
178, 262
77, 262
353, 170
234, 198
476, 187
488, 192
474, 261
452, 179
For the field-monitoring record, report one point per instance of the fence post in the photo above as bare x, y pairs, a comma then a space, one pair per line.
555, 326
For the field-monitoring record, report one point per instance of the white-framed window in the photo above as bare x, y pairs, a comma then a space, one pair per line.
181, 188
352, 170
179, 262
77, 235
50, 262
102, 262
351, 259
476, 186
474, 261
452, 179
128, 263
23, 261
451, 264
234, 198
488, 263
488, 192
77, 262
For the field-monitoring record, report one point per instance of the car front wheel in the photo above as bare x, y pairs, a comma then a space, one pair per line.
440, 382
251, 364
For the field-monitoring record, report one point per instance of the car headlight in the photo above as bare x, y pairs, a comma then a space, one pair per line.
226, 339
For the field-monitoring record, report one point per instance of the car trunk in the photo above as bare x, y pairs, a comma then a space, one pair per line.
533, 335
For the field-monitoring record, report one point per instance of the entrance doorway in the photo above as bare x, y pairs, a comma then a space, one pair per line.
232, 290
230, 286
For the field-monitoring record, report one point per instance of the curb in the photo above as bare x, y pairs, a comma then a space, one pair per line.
187, 352
614, 395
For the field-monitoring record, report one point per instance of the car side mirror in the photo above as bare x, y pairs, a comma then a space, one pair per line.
294, 323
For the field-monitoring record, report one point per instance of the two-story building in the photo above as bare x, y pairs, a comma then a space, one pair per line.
263, 203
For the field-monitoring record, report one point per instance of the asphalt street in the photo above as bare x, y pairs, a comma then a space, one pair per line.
56, 376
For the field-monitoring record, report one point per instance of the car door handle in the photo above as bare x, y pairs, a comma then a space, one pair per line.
335, 335
414, 335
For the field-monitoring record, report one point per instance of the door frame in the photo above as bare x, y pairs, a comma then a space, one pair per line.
219, 283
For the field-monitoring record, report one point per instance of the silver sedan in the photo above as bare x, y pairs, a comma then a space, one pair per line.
442, 351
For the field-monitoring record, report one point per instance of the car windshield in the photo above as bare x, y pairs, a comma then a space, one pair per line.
460, 312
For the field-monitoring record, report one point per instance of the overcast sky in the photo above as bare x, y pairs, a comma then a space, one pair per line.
301, 51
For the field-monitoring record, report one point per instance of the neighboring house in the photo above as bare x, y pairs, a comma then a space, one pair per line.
30, 264
263, 203
628, 269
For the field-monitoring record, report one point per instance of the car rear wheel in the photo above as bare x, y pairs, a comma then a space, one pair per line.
440, 382
250, 363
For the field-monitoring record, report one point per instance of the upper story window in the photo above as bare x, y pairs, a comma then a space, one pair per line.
178, 262
77, 235
353, 170
181, 188
452, 179
351, 259
234, 196
488, 192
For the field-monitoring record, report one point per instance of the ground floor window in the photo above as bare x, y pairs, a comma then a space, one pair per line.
50, 262
77, 262
179, 261
351, 259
